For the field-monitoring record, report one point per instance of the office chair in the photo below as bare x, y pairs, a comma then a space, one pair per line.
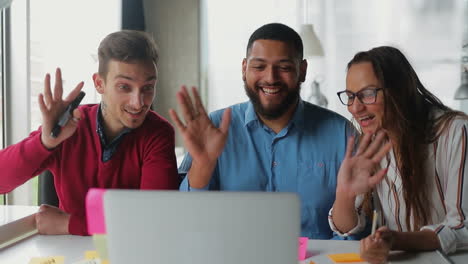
47, 193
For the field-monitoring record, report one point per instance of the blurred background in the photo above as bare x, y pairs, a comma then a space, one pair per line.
202, 43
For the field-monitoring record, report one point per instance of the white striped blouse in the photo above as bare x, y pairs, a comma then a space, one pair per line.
448, 188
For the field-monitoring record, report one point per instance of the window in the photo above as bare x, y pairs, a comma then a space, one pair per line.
44, 35
54, 44
2, 197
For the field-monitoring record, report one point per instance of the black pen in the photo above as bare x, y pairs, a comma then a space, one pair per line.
67, 114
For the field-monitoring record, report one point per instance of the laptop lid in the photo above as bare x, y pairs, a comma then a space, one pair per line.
201, 227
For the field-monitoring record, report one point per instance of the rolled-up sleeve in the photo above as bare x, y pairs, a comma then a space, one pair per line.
452, 171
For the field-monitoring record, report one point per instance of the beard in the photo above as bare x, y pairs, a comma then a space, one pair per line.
276, 111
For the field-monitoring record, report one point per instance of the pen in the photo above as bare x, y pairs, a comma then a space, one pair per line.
63, 119
375, 215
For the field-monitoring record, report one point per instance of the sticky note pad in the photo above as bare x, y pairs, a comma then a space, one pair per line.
303, 247
91, 254
95, 211
48, 260
345, 257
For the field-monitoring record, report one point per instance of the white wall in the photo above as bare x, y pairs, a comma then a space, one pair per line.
175, 27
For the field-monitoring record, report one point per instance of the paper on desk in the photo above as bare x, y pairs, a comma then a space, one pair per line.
95, 211
48, 260
345, 257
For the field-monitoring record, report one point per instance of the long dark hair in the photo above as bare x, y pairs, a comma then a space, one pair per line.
409, 118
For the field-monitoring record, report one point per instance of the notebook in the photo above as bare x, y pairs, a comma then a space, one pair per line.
201, 227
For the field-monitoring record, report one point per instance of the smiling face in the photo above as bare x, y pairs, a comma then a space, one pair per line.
272, 74
369, 116
127, 92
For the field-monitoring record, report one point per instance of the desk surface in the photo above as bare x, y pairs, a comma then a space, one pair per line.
74, 247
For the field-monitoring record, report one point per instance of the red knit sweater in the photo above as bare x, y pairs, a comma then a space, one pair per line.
144, 159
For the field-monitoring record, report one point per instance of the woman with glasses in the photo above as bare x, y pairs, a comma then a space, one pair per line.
423, 197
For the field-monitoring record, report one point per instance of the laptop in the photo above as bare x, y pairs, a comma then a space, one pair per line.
170, 227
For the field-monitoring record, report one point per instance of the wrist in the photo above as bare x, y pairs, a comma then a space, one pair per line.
344, 194
45, 142
66, 223
200, 174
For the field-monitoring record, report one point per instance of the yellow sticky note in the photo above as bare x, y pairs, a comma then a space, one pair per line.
48, 260
345, 257
91, 254
100, 243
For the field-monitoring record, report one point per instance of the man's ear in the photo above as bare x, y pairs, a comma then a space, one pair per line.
98, 83
244, 68
302, 71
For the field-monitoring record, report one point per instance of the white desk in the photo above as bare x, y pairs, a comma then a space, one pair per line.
73, 247
317, 251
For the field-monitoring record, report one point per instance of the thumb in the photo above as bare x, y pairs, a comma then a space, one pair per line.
76, 115
226, 119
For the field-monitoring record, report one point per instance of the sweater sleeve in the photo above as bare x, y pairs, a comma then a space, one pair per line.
22, 161
159, 170
78, 225
452, 172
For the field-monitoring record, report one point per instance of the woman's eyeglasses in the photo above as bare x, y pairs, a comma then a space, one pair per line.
365, 96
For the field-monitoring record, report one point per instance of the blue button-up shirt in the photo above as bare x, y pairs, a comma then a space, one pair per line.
304, 157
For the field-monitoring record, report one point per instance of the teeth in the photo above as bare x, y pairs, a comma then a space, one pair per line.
365, 117
270, 91
133, 113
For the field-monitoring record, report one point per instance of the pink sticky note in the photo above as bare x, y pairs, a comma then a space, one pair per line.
95, 211
303, 247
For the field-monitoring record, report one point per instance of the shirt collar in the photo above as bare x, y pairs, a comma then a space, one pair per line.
250, 114
297, 118
100, 128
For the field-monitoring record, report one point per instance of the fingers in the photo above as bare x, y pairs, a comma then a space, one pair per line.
200, 109
188, 103
375, 149
377, 142
378, 177
185, 103
365, 141
383, 151
76, 116
74, 93
42, 104
58, 88
373, 250
47, 91
225, 121
176, 120
349, 147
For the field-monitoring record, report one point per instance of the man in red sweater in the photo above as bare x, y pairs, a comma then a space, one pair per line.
119, 143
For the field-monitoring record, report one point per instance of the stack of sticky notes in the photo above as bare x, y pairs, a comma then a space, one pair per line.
96, 221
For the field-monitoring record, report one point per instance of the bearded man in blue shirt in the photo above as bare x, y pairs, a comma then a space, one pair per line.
275, 142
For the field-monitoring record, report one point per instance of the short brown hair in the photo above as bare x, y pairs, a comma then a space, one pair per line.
126, 46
